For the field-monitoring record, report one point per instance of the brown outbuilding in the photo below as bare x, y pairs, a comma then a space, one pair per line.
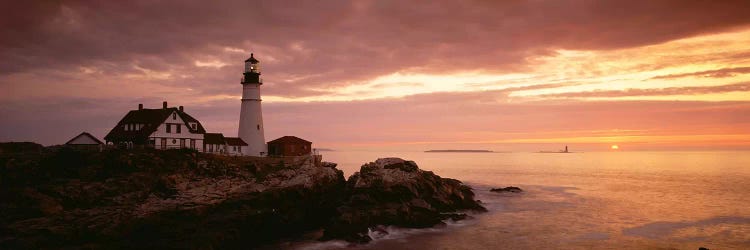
289, 146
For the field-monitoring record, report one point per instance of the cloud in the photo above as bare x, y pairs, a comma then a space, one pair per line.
427, 119
696, 90
80, 65
335, 43
717, 73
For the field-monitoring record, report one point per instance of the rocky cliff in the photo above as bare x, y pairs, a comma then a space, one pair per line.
60, 198
393, 191
66, 198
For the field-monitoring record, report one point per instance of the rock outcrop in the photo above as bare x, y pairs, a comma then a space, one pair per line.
60, 197
64, 198
392, 191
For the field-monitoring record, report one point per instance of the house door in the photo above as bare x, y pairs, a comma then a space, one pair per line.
163, 143
192, 143
182, 143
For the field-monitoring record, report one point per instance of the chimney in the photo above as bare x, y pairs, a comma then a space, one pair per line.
140, 106
164, 105
181, 109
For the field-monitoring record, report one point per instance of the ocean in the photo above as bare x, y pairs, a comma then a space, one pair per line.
589, 200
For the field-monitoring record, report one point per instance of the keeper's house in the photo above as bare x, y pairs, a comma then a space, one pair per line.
163, 128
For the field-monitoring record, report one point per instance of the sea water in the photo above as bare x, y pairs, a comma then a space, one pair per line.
590, 200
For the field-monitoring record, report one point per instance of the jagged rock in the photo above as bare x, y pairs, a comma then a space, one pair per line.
507, 189
160, 199
63, 198
326, 164
393, 191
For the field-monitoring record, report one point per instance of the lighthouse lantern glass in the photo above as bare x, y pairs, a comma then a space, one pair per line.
252, 67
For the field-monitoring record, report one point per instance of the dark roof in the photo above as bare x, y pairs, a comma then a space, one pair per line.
151, 118
234, 141
85, 134
252, 59
289, 139
213, 138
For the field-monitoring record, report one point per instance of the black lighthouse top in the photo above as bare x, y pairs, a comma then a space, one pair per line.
252, 59
252, 71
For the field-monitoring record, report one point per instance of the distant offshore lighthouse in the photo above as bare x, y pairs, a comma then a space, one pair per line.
251, 114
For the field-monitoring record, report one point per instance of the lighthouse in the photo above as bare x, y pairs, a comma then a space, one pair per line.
251, 115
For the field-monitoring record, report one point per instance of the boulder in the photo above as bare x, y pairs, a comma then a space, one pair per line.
395, 192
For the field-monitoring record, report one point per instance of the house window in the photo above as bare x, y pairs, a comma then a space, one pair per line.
169, 128
193, 125
258, 126
174, 116
210, 148
174, 141
239, 149
179, 128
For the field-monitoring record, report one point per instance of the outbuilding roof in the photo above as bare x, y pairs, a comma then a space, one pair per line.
235, 141
213, 138
84, 134
289, 139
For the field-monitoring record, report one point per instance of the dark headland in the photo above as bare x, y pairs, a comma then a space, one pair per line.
459, 151
59, 197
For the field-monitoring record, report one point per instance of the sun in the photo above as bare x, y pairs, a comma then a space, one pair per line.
615, 147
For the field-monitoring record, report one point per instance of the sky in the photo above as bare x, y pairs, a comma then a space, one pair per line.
390, 75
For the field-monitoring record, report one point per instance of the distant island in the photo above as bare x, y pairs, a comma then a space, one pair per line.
459, 151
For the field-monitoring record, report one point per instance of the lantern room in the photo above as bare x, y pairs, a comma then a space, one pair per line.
252, 65
252, 71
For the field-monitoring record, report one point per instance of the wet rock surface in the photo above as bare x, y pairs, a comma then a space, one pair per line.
393, 191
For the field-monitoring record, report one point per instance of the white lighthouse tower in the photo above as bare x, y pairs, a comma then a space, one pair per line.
251, 116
